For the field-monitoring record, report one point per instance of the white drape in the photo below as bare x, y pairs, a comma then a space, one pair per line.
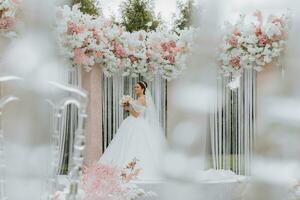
68, 76
233, 124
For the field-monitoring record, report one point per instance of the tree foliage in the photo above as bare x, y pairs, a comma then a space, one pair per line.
87, 6
138, 15
186, 10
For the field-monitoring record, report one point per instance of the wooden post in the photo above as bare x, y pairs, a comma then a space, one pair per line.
92, 82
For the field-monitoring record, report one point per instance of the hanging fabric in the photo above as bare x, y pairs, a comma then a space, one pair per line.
233, 124
69, 76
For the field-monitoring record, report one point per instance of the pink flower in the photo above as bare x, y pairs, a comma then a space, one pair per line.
148, 55
182, 49
130, 172
233, 41
99, 54
168, 46
96, 35
276, 20
118, 50
236, 32
258, 30
164, 46
263, 40
6, 22
132, 58
259, 16
235, 62
73, 28
102, 182
170, 58
172, 44
79, 57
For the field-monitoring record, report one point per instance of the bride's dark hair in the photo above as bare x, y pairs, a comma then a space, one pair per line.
144, 86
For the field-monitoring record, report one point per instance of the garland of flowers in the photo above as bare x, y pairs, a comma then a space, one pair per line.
8, 17
254, 45
87, 40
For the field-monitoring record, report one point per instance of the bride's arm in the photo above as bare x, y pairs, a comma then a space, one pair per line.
131, 111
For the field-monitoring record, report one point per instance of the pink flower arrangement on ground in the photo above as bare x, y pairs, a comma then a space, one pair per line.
102, 182
106, 182
253, 45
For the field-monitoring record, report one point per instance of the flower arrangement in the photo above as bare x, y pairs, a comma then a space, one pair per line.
125, 100
139, 56
87, 40
106, 182
8, 15
130, 172
169, 50
77, 38
253, 45
102, 182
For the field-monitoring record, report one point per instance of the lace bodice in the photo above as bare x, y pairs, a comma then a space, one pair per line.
138, 108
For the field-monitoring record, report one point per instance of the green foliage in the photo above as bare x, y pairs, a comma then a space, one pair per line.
138, 15
186, 10
87, 6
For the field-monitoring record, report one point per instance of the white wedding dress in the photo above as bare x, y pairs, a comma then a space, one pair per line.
141, 138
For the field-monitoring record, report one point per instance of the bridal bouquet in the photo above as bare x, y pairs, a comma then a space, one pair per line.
125, 100
253, 43
106, 182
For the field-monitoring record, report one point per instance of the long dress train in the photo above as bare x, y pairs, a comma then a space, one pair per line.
136, 139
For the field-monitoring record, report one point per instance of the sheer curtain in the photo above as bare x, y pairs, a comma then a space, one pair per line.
233, 125
114, 88
69, 76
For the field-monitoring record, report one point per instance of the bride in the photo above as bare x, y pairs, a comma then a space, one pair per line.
139, 136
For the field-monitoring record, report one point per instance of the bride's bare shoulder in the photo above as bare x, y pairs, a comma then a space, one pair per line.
142, 100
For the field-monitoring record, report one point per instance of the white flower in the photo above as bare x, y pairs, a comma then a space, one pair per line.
253, 49
272, 29
251, 39
132, 54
